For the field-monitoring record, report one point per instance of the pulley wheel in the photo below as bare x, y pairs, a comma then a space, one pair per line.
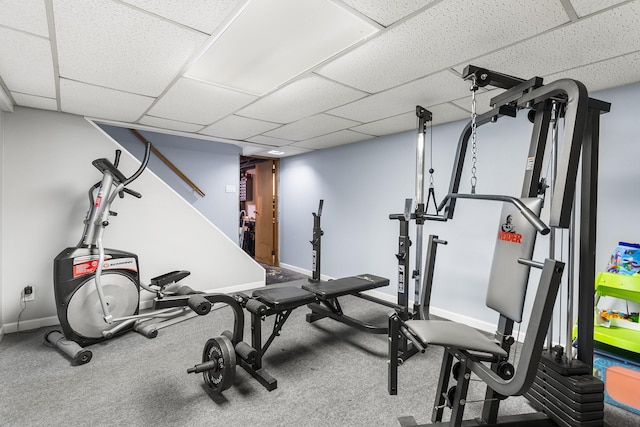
506, 370
455, 371
220, 351
451, 396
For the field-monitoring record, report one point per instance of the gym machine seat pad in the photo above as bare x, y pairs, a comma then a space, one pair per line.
455, 335
346, 286
284, 298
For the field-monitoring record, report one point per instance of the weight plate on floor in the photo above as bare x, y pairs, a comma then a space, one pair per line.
220, 376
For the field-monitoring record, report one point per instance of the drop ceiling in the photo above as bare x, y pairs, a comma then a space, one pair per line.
298, 75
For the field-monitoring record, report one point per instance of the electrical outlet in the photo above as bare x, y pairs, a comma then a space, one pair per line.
28, 294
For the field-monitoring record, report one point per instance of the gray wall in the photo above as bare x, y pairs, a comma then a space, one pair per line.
363, 183
211, 166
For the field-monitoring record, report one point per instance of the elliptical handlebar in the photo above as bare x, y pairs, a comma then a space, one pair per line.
143, 165
105, 165
113, 183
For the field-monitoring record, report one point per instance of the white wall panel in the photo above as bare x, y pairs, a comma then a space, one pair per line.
47, 166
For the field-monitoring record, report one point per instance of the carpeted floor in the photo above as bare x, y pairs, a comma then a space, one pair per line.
281, 275
328, 375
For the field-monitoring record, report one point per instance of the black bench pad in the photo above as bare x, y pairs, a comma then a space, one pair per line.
346, 286
284, 298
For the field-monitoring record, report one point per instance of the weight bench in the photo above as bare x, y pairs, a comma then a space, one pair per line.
329, 306
281, 301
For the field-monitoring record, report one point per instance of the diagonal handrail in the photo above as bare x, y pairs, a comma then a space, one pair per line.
168, 162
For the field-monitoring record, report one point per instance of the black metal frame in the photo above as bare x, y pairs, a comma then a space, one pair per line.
316, 241
330, 307
255, 368
183, 301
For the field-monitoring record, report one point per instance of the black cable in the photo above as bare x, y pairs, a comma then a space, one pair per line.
23, 303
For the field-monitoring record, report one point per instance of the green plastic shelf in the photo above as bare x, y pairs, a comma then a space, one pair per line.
624, 287
619, 286
627, 339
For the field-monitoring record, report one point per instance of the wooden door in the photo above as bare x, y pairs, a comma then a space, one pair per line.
266, 243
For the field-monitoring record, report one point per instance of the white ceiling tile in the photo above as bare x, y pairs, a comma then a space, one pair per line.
443, 113
388, 126
169, 124
586, 7
311, 127
443, 35
250, 149
112, 45
202, 15
611, 33
333, 139
100, 102
197, 102
432, 90
620, 71
30, 69
32, 101
272, 42
269, 141
288, 151
237, 127
446, 113
482, 101
386, 12
302, 98
25, 15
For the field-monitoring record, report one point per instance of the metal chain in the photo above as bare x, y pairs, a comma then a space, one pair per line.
474, 145
431, 170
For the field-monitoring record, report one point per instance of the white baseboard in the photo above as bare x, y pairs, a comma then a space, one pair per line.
304, 271
27, 325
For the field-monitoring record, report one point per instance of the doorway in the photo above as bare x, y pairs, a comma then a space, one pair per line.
258, 210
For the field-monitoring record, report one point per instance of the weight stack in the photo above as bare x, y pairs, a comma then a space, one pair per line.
571, 397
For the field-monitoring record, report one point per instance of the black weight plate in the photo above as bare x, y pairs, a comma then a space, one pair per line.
220, 377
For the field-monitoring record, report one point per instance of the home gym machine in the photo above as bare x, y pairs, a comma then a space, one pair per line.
561, 388
321, 297
97, 290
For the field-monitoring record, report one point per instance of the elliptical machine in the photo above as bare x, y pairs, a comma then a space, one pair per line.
97, 290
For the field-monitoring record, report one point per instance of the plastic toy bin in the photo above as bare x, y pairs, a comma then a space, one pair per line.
621, 382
